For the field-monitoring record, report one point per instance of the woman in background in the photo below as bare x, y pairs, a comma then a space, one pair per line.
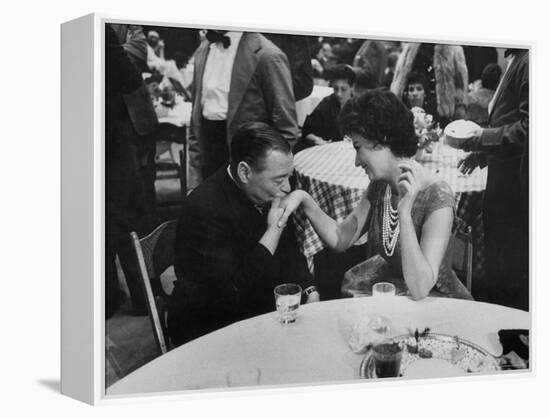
321, 126
444, 66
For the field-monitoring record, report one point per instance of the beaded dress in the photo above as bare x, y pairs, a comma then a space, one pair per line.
384, 264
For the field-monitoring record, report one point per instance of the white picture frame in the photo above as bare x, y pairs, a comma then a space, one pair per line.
83, 241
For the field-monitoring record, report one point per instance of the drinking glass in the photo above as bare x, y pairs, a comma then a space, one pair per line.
387, 359
287, 302
383, 289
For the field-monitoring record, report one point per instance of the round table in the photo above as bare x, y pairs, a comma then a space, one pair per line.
314, 350
328, 173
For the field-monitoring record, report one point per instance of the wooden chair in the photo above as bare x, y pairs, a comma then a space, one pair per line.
110, 347
463, 254
183, 172
154, 254
171, 174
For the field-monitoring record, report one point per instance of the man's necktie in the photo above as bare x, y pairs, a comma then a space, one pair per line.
214, 36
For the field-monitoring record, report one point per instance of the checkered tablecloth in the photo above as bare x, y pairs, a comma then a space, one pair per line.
329, 175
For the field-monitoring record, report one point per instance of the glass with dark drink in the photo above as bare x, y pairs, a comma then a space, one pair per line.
387, 359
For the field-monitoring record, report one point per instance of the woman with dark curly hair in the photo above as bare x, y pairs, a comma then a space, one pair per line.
407, 211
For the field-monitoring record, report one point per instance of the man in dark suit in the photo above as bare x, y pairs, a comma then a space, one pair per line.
239, 77
230, 252
130, 120
298, 51
506, 204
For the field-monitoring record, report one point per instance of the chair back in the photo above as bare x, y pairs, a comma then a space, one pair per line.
166, 135
154, 254
462, 255
183, 172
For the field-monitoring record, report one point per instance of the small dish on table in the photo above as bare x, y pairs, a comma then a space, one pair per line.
434, 355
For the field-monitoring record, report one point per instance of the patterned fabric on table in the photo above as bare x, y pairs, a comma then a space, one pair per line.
329, 175
443, 160
334, 182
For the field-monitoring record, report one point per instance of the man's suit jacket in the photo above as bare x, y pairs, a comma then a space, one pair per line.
130, 121
298, 52
224, 274
506, 143
260, 91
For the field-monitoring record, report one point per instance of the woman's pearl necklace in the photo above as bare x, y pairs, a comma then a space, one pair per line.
390, 224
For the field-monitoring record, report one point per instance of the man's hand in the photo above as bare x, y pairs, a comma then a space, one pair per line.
471, 162
472, 143
313, 297
271, 236
288, 205
276, 212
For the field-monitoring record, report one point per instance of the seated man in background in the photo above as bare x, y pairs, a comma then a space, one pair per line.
321, 127
230, 253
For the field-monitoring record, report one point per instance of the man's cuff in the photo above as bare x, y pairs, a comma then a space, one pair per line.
489, 138
309, 290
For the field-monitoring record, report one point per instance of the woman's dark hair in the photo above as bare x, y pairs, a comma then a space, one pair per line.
317, 47
416, 78
341, 72
253, 141
381, 117
490, 76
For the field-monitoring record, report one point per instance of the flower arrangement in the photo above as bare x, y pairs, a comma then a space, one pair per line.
426, 129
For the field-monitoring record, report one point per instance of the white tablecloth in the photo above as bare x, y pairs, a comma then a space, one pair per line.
179, 115
260, 351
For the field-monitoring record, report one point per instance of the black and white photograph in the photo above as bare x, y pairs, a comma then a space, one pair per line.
287, 209
240, 208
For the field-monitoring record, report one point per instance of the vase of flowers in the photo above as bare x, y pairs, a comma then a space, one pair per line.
426, 129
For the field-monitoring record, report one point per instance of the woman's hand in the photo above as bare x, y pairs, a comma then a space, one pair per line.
288, 205
409, 184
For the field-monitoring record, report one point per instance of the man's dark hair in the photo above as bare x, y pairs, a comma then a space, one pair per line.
490, 76
379, 116
417, 78
366, 80
253, 141
341, 72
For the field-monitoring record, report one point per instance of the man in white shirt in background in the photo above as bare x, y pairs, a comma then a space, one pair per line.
239, 77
